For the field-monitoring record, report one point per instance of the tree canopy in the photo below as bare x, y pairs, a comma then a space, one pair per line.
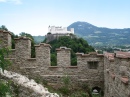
76, 45
3, 27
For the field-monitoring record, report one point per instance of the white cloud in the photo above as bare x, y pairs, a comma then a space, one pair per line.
2, 0
12, 1
17, 1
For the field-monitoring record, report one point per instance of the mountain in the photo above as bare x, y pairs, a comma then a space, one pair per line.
101, 35
38, 39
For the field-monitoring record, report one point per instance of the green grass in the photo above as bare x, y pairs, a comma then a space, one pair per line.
96, 95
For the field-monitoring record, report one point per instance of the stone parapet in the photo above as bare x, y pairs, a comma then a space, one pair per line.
23, 38
110, 56
44, 44
43, 54
116, 74
3, 31
22, 48
63, 48
63, 56
5, 39
90, 54
109, 70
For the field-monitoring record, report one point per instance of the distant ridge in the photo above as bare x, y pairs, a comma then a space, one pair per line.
38, 39
101, 35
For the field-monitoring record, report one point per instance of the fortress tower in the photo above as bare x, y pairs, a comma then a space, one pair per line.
59, 29
56, 32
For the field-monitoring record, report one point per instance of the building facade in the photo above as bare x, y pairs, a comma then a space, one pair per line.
57, 29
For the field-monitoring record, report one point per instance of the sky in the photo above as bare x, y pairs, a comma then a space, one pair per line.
34, 16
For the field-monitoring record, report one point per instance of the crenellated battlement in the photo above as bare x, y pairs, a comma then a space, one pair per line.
117, 74
109, 71
5, 39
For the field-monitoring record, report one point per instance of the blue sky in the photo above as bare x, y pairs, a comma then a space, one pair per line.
34, 16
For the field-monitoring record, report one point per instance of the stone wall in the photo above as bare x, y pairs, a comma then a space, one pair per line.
40, 66
117, 74
5, 39
63, 56
109, 72
94, 76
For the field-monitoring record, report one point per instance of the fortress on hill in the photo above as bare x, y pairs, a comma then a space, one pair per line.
55, 32
108, 72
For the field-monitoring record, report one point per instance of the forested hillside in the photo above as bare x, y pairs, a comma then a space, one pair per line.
101, 36
38, 39
76, 45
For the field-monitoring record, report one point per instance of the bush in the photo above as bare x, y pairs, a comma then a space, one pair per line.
64, 90
5, 89
80, 94
3, 62
76, 45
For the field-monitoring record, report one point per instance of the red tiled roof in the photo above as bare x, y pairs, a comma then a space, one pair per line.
120, 54
110, 56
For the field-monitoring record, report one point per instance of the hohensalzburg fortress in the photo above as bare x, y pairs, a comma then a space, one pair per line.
57, 29
54, 32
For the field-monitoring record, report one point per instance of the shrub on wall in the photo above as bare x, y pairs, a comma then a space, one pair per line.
4, 86
66, 83
4, 62
5, 89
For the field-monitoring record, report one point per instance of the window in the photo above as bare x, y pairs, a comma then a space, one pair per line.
93, 65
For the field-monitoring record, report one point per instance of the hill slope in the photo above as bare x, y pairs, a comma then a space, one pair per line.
101, 35
76, 45
38, 39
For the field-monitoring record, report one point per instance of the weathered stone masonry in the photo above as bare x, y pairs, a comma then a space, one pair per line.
25, 86
110, 72
5, 39
117, 74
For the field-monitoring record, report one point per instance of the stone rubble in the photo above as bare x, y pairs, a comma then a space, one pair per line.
25, 82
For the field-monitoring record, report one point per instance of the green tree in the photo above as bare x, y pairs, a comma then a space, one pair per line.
5, 88
13, 36
3, 27
3, 62
53, 59
76, 45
